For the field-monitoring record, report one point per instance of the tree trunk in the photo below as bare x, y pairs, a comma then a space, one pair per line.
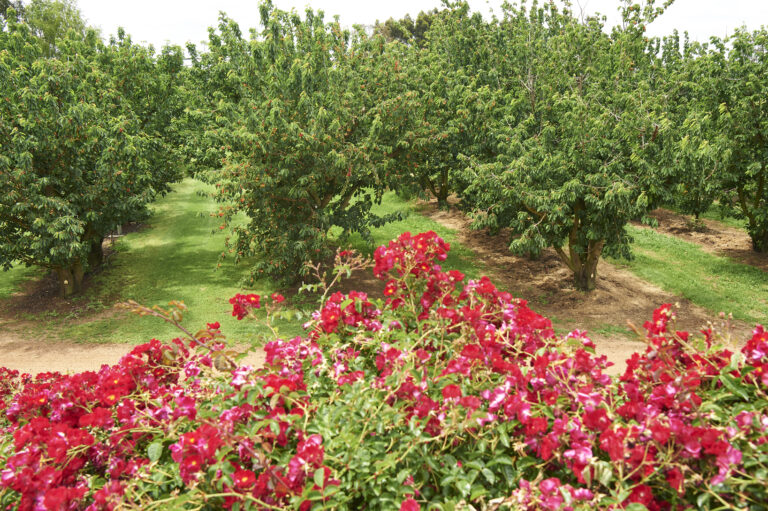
66, 281
585, 278
70, 279
585, 272
760, 241
443, 190
79, 273
96, 254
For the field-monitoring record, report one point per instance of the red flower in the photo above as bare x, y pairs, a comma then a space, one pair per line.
311, 450
62, 498
596, 420
189, 467
675, 479
277, 298
451, 392
244, 479
242, 304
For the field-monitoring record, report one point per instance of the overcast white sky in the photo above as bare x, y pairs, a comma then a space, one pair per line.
179, 21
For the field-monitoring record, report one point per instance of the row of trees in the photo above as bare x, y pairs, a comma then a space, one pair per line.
538, 120
86, 135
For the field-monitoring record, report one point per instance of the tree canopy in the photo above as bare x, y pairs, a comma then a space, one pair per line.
77, 149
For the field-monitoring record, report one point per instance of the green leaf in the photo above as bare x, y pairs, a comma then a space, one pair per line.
604, 472
464, 487
319, 477
154, 451
734, 385
503, 437
501, 460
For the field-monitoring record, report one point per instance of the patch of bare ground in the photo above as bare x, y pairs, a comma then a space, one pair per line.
621, 298
42, 295
22, 352
713, 236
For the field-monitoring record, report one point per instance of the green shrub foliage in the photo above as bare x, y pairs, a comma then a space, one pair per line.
446, 394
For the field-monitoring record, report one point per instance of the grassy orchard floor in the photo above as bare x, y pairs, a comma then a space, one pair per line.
11, 280
175, 258
711, 281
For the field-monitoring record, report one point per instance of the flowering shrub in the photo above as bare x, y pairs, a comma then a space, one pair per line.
446, 394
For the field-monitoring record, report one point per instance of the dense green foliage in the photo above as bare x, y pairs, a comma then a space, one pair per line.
537, 120
719, 149
84, 147
579, 135
296, 125
7, 4
407, 30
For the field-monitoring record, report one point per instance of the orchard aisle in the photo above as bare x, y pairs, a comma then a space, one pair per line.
49, 356
37, 356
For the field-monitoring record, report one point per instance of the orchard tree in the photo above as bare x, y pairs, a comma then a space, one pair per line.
690, 166
442, 107
217, 91
407, 30
7, 4
580, 140
298, 157
718, 145
75, 159
52, 19
738, 102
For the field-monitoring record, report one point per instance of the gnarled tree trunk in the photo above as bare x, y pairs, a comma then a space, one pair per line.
70, 279
582, 263
585, 274
96, 254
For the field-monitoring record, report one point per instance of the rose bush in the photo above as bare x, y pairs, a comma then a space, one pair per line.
444, 394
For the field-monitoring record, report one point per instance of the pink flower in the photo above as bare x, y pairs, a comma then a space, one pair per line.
410, 505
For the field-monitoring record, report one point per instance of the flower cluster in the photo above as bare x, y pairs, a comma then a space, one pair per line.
243, 304
447, 391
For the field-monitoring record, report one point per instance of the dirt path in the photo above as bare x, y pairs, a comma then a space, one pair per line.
36, 356
620, 297
715, 237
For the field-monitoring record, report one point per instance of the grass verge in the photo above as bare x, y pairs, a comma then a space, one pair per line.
719, 284
12, 280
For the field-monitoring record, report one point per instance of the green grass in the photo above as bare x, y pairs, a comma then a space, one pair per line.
719, 284
11, 280
175, 258
714, 214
